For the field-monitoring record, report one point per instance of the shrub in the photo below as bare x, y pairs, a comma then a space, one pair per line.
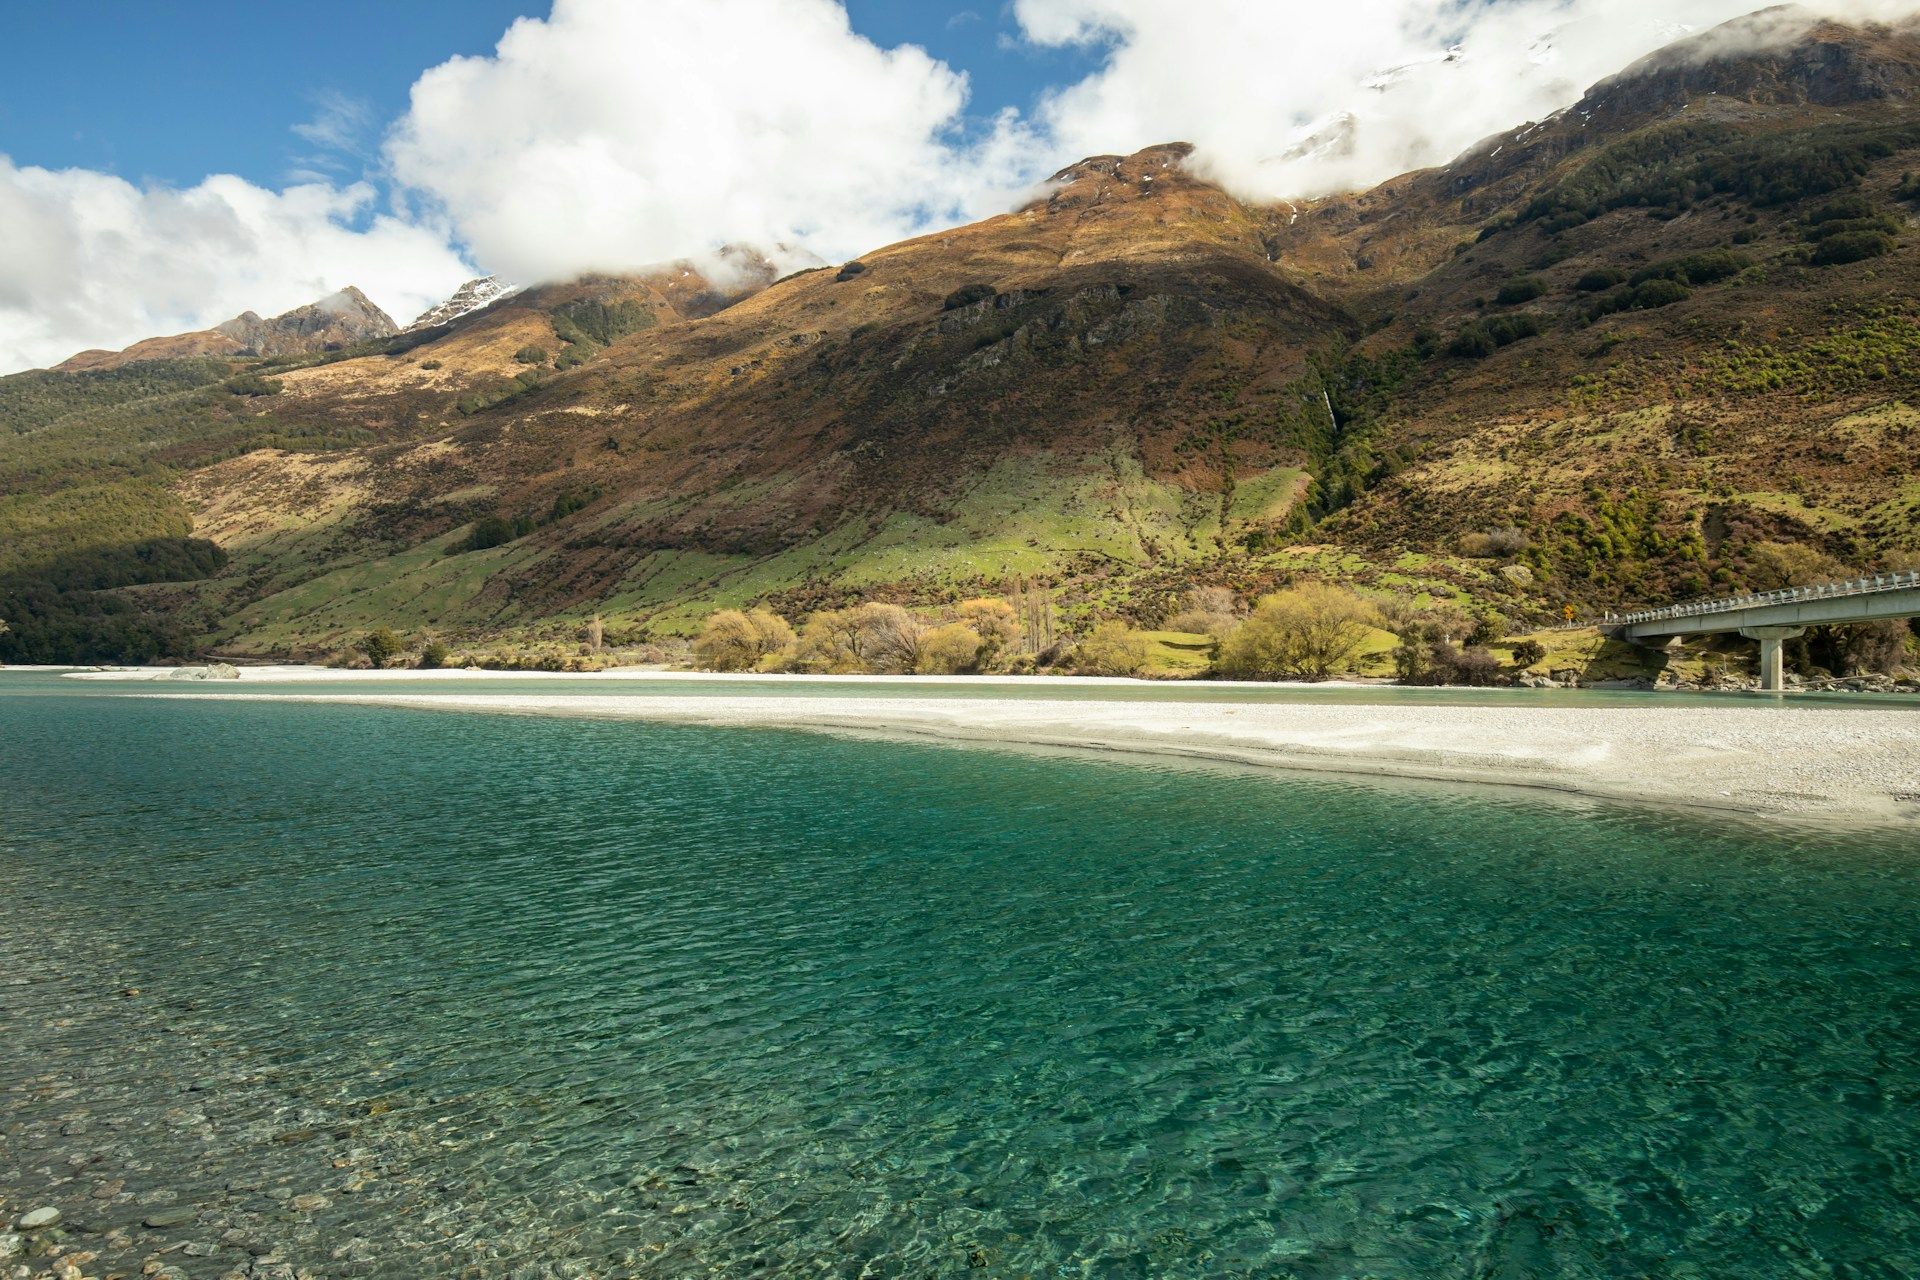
968, 294
434, 656
1523, 289
1846, 208
430, 365
1493, 544
1600, 280
1694, 268
1112, 649
1208, 611
1643, 297
736, 641
531, 355
490, 531
1529, 653
252, 385
850, 270
1426, 656
949, 650
1474, 666
567, 503
379, 647
1827, 230
1852, 246
1483, 337
1305, 633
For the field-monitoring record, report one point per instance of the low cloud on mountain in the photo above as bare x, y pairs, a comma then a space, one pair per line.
94, 261
612, 135
1297, 99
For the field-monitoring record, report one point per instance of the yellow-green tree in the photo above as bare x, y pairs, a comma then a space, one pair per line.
997, 624
1306, 632
734, 640
865, 639
830, 644
1112, 649
950, 650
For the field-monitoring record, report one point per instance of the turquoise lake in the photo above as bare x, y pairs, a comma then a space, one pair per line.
412, 994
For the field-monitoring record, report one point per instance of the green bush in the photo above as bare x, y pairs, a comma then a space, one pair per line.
1482, 338
1849, 226
379, 647
1852, 246
1523, 289
567, 503
531, 355
1600, 280
1693, 269
434, 656
1643, 297
1848, 208
252, 384
491, 531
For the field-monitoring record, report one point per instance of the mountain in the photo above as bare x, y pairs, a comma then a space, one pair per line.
1661, 342
336, 321
468, 298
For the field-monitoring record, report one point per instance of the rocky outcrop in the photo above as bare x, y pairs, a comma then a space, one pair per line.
338, 320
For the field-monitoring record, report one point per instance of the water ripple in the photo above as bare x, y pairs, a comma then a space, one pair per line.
523, 997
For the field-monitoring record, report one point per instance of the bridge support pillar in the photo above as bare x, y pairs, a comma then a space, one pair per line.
1773, 665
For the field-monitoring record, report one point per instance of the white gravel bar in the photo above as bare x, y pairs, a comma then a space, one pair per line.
1819, 763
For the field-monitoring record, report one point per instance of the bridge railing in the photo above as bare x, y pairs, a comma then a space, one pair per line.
1863, 586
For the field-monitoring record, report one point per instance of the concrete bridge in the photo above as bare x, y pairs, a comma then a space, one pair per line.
1774, 616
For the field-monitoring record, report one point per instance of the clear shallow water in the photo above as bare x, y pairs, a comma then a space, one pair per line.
524, 996
1230, 692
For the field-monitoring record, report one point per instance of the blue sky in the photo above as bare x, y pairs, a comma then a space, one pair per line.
171, 92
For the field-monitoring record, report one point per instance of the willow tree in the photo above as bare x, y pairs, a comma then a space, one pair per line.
736, 641
1308, 632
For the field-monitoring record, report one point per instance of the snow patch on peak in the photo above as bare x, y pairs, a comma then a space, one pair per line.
472, 296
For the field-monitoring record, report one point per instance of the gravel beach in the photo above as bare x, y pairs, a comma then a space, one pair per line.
1762, 760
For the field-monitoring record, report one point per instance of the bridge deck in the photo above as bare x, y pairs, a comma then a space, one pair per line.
1867, 599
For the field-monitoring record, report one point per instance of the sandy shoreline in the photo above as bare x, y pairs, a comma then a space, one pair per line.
1777, 761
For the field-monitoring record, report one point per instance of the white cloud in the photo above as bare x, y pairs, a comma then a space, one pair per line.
340, 122
614, 135
1289, 98
94, 261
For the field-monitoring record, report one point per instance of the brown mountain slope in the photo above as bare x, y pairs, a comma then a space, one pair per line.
1635, 350
847, 411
